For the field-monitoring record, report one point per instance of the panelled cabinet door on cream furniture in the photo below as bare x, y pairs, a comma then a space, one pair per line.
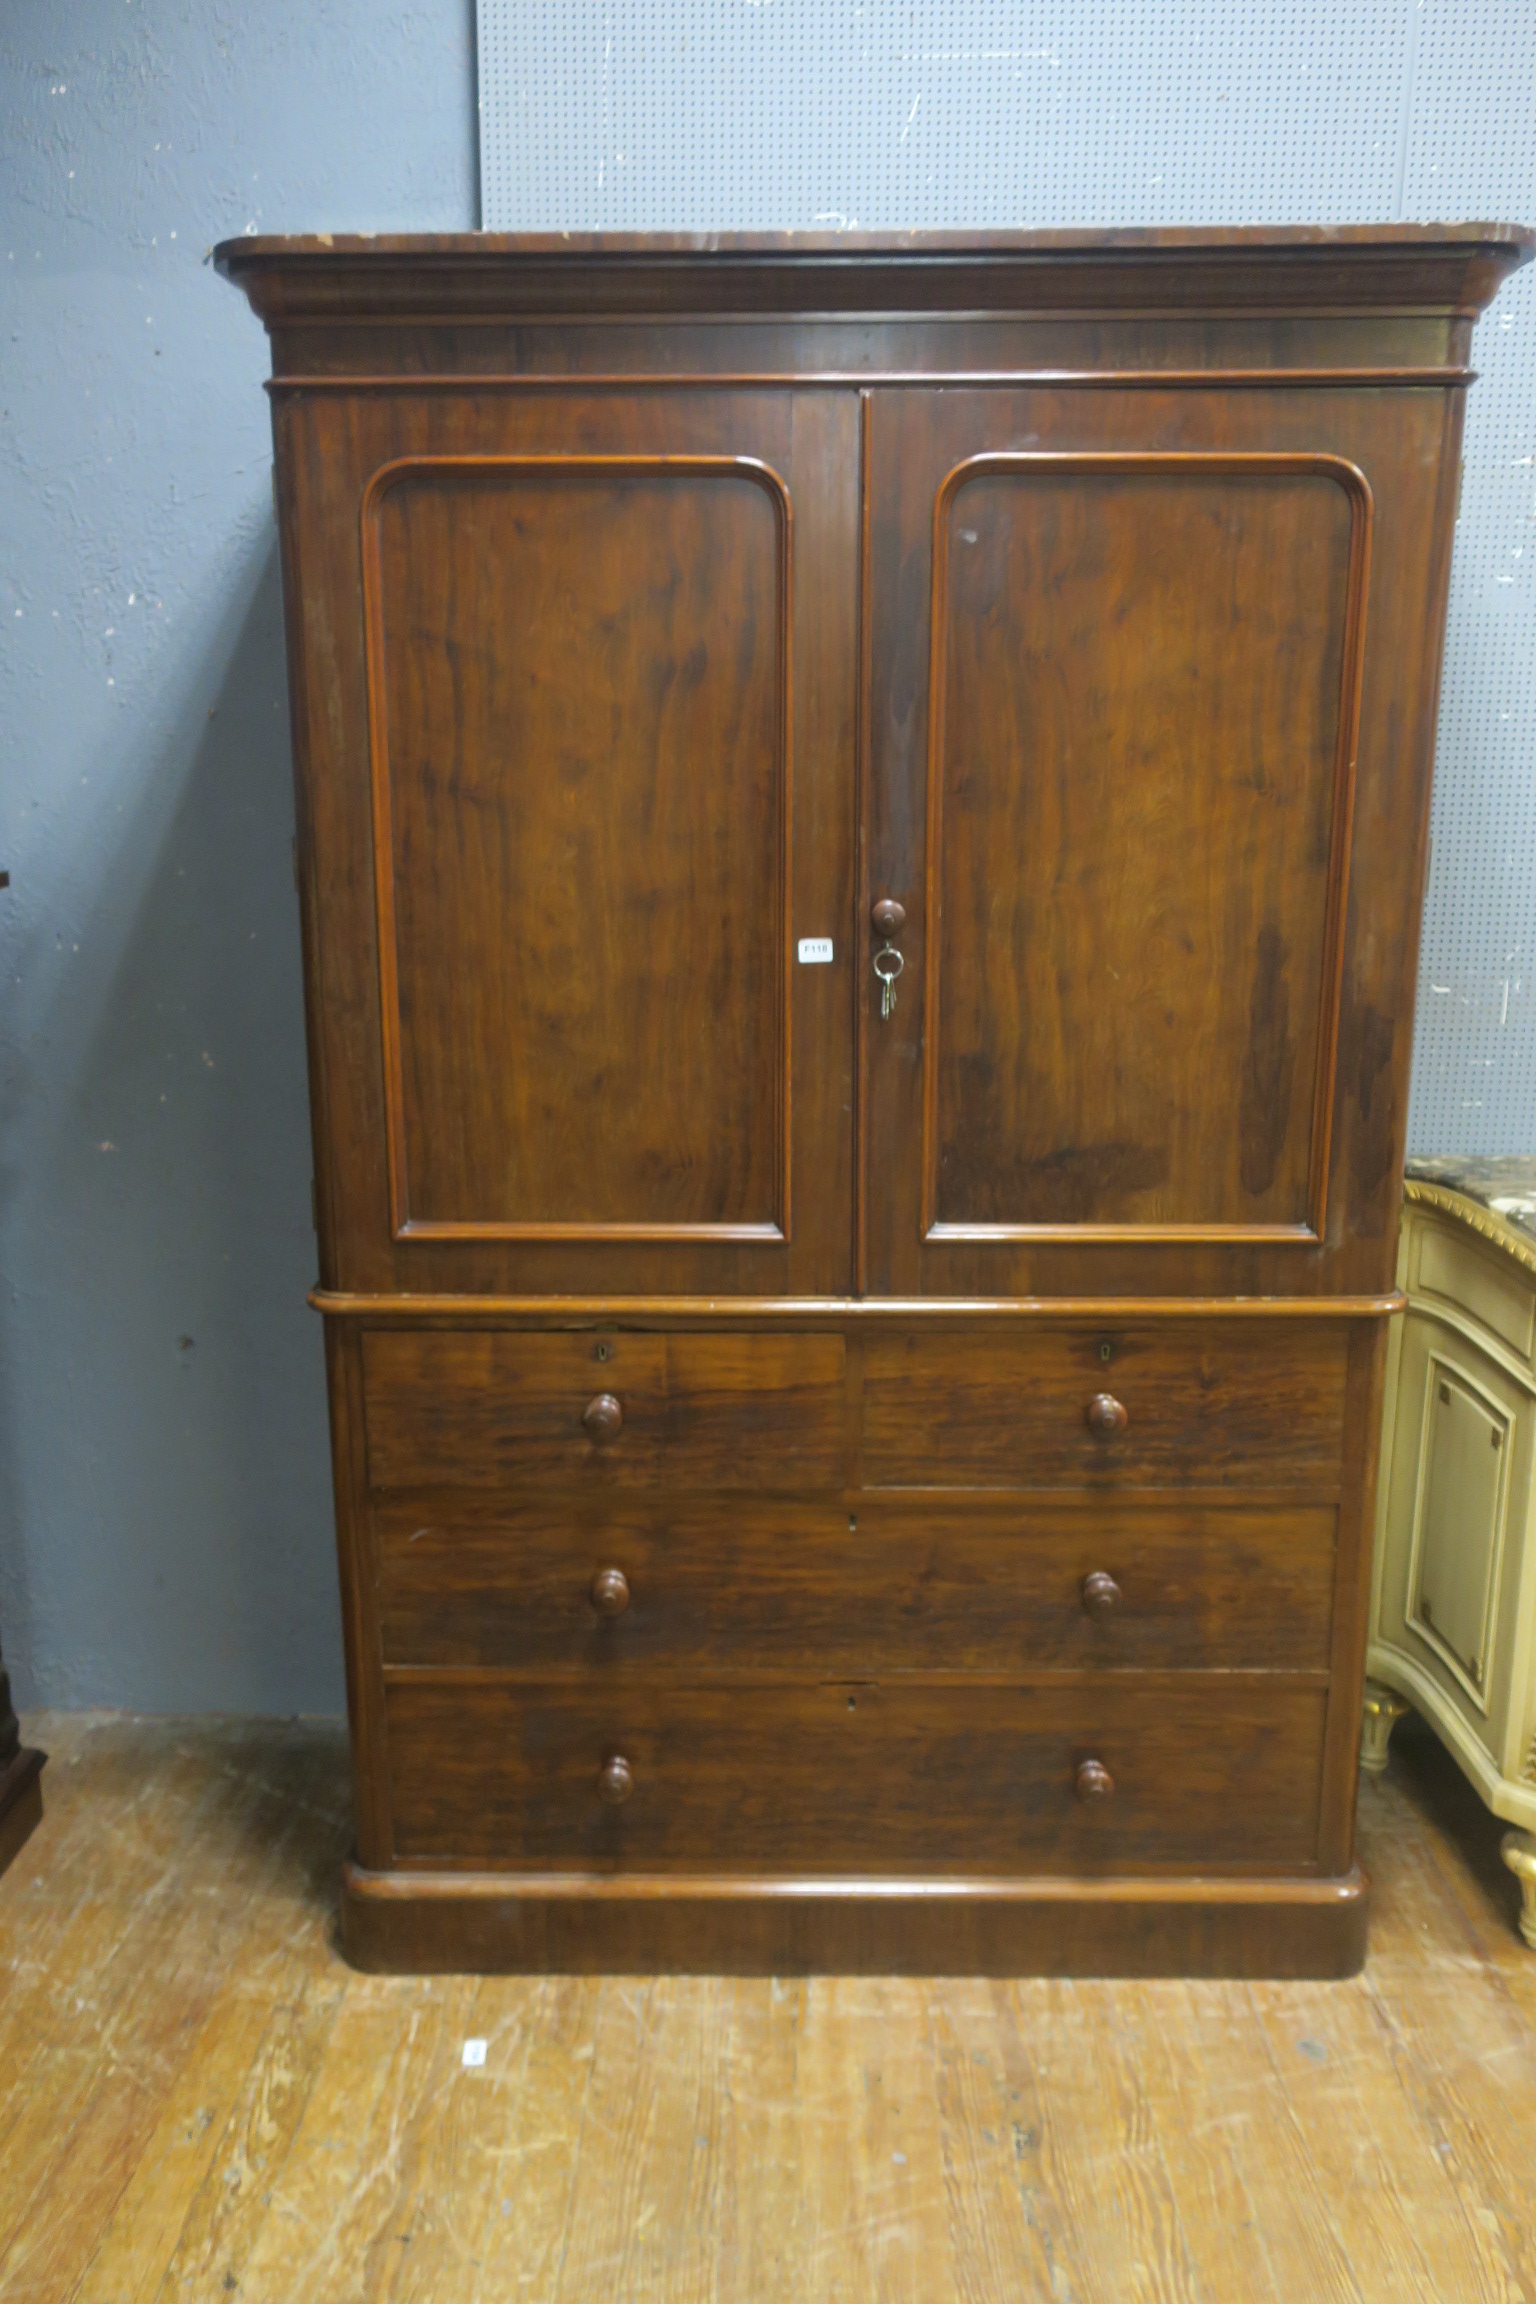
861, 819
1453, 1611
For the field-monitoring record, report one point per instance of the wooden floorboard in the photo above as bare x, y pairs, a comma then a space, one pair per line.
199, 2100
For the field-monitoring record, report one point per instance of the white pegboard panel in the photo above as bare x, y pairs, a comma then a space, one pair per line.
650, 115
645, 115
1472, 146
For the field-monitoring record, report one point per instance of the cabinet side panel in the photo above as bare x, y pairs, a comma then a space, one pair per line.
1352, 1592
359, 1593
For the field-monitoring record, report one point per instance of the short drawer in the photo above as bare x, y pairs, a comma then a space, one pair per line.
704, 1584
1476, 1281
1253, 1402
1112, 1774
488, 1409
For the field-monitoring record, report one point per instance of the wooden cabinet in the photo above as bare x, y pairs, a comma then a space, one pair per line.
1453, 1611
861, 820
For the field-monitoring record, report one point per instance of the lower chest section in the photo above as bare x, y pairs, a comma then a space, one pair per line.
977, 1600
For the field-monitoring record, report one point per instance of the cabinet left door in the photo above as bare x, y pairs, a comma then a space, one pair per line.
574, 677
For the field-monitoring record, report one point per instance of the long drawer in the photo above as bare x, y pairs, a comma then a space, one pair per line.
1085, 1775
700, 1584
486, 1408
1253, 1401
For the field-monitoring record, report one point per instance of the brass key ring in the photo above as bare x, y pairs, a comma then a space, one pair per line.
888, 976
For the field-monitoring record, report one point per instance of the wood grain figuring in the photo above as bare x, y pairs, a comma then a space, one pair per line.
850, 1777
1362, 1428
1205, 1406
862, 897
362, 1647
196, 2090
780, 1924
884, 1586
853, 1313
335, 451
556, 646
1408, 349
1079, 604
1398, 444
712, 1411
824, 1477
1364, 429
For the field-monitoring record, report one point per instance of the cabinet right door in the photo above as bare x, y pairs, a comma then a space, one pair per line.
1117, 648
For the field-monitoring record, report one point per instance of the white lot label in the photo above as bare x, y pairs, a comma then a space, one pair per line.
474, 2053
815, 951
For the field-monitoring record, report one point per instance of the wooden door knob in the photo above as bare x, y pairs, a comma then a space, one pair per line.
1106, 1415
610, 1591
1101, 1594
889, 917
1094, 1781
603, 1417
616, 1780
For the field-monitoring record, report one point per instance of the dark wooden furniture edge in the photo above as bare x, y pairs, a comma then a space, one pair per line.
1106, 379
21, 1800
1387, 267
664, 1311
488, 1923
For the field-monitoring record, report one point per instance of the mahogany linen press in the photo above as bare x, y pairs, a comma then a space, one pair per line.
861, 830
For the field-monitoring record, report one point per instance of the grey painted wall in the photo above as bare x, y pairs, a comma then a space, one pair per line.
628, 114
165, 1531
165, 1534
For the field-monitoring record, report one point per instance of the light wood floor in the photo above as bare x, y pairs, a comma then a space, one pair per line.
199, 2100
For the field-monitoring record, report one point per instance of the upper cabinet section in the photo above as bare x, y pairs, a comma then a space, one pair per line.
856, 764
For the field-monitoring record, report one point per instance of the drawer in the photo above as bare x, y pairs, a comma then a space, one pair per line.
489, 1409
703, 1584
1477, 1282
849, 1777
1251, 1402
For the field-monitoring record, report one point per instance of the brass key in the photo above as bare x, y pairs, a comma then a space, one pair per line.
888, 976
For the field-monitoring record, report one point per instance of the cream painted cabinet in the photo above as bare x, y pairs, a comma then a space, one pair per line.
1453, 1610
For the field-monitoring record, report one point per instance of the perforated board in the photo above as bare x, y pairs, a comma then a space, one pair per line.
654, 114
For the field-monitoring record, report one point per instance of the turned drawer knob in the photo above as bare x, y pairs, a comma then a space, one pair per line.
1106, 1415
616, 1780
1094, 1781
1101, 1594
603, 1417
610, 1591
